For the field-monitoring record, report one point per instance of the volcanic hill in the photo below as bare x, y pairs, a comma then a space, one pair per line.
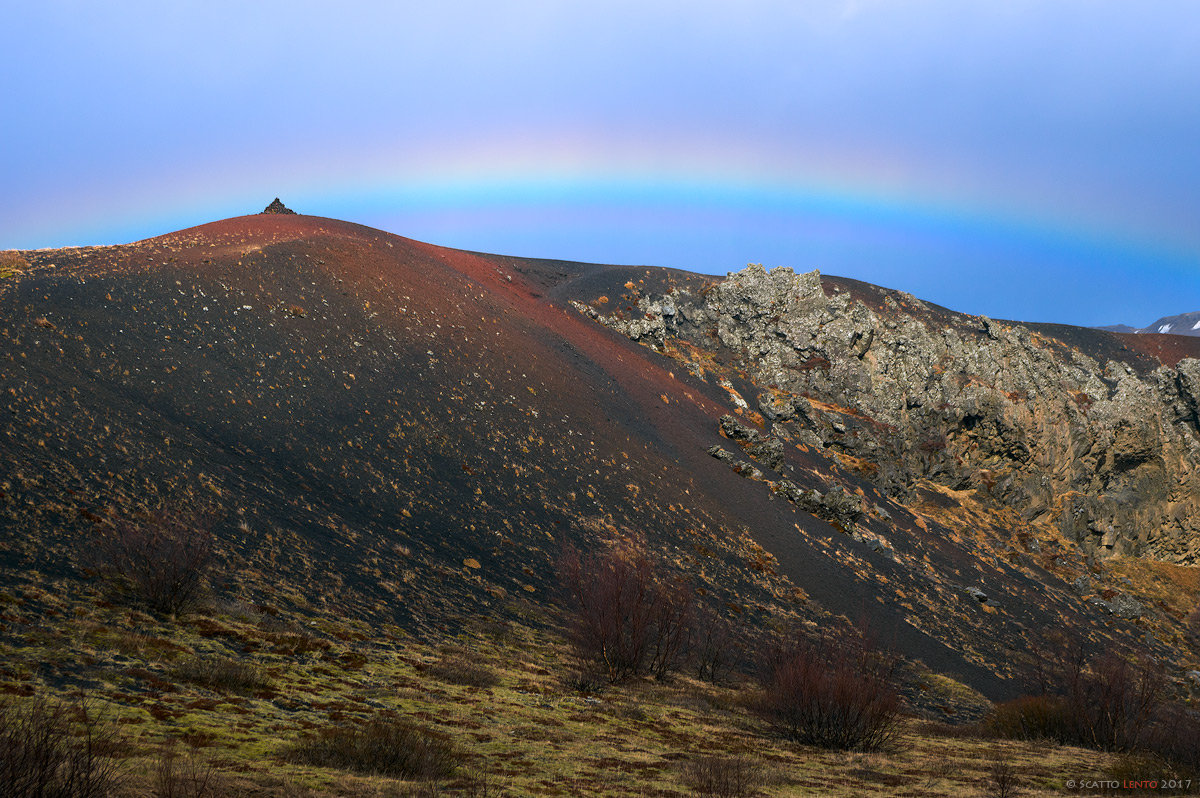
405, 435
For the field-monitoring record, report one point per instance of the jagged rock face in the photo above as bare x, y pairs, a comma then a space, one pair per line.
1102, 452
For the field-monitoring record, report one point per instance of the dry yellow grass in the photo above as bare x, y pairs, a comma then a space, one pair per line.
12, 263
1177, 587
530, 733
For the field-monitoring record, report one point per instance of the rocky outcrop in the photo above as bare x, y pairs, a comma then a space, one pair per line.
278, 207
1106, 454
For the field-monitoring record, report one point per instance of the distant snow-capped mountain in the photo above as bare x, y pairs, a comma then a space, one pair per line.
1183, 324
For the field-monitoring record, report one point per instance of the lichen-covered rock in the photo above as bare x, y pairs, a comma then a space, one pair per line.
721, 454
838, 505
1127, 607
1106, 454
768, 452
735, 430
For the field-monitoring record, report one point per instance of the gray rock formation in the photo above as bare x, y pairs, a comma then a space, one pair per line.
1105, 454
277, 207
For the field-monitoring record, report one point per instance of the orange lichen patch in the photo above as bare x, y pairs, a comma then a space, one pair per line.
858, 465
844, 411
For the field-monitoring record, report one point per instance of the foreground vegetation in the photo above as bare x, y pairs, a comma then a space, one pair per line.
235, 700
143, 682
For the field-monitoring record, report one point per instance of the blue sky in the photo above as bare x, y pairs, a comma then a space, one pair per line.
1028, 160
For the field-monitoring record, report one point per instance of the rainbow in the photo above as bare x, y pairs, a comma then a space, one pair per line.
701, 207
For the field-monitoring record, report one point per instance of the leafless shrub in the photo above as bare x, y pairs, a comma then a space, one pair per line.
1174, 736
674, 616
384, 746
1039, 717
222, 673
51, 750
457, 670
1107, 703
478, 785
161, 559
940, 766
1001, 778
584, 680
723, 776
961, 731
623, 614
833, 693
712, 646
186, 775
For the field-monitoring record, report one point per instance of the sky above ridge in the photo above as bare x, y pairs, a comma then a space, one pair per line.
1025, 159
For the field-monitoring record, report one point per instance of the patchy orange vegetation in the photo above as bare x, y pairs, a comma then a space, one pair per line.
1175, 587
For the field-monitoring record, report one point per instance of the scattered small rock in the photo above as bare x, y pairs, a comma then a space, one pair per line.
737, 431
723, 455
1127, 607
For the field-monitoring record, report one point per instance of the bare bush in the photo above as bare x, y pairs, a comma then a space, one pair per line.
584, 680
184, 775
384, 747
1039, 717
712, 646
54, 751
1001, 778
223, 673
623, 614
673, 618
1107, 703
457, 670
479, 785
723, 776
1117, 701
833, 693
1175, 737
161, 559
939, 766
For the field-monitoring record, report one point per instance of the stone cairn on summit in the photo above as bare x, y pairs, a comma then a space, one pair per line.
278, 207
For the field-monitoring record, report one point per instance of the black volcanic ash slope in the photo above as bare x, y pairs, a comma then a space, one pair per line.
406, 433
366, 417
